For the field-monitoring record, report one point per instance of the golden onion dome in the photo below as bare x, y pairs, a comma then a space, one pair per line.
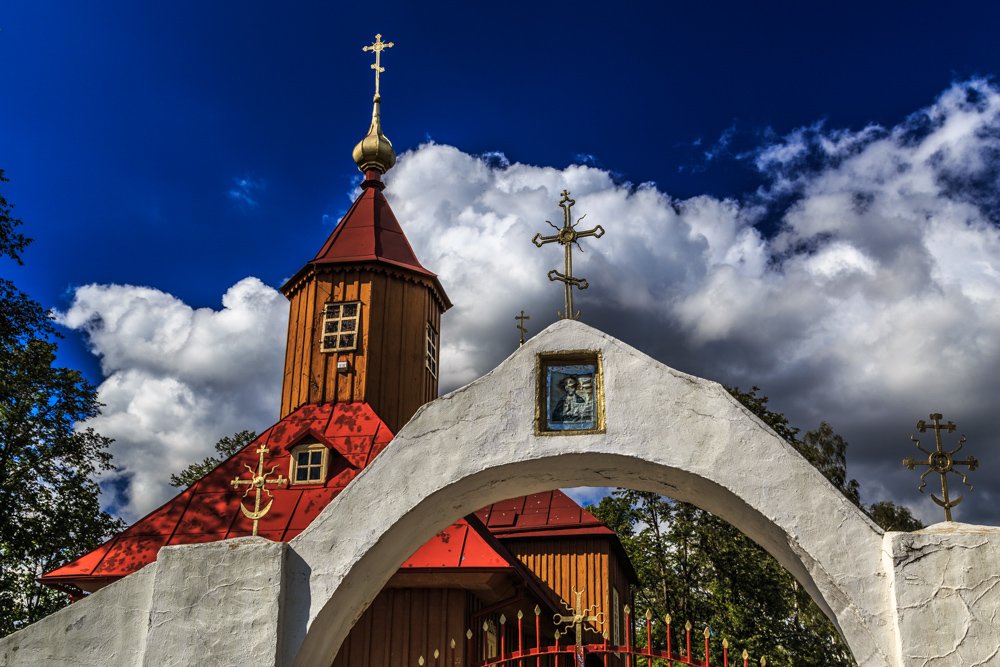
375, 151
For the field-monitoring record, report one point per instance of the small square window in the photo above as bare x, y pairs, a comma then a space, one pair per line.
340, 326
432, 350
309, 463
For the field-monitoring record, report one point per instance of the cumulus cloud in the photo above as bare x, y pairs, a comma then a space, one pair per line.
873, 302
178, 379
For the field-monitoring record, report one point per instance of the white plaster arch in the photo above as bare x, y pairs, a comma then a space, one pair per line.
667, 432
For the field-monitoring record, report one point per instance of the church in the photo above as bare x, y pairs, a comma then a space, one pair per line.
362, 357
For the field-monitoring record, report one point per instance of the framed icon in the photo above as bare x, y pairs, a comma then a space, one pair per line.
570, 393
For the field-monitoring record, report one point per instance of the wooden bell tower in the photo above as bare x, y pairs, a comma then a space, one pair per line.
365, 315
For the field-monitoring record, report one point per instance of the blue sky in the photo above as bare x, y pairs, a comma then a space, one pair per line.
185, 148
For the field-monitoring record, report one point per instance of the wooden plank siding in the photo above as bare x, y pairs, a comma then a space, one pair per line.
589, 565
388, 369
403, 624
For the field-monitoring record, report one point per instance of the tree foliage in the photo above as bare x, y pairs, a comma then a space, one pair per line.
226, 447
50, 511
697, 567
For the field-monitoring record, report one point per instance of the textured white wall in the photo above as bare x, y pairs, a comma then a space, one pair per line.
927, 598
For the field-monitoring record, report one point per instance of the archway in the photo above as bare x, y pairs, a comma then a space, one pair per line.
666, 432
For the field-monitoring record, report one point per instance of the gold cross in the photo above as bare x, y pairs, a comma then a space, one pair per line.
579, 617
520, 326
378, 46
567, 236
258, 482
940, 462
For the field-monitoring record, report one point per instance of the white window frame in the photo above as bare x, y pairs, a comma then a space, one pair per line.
433, 341
333, 327
314, 446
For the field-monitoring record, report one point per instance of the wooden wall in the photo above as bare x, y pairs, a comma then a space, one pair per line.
584, 564
403, 624
388, 368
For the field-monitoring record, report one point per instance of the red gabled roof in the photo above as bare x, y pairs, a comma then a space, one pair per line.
210, 509
369, 232
460, 545
539, 515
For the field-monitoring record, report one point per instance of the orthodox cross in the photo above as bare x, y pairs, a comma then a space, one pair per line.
520, 326
378, 46
579, 617
941, 462
258, 482
567, 236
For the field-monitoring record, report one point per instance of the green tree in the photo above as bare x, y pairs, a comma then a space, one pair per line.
695, 566
226, 447
51, 512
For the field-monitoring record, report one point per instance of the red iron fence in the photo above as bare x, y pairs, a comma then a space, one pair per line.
689, 650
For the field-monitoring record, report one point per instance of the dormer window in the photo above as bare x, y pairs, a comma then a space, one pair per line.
432, 350
309, 463
340, 326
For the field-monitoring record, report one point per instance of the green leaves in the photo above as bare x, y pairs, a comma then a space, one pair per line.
226, 447
49, 509
698, 568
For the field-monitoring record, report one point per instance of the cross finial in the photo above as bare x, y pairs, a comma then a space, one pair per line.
520, 325
567, 236
941, 462
378, 46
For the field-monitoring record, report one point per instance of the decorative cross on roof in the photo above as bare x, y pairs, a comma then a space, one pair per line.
258, 482
520, 325
567, 236
941, 462
579, 617
378, 46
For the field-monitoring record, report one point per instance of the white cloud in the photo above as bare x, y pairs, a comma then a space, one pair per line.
178, 379
874, 302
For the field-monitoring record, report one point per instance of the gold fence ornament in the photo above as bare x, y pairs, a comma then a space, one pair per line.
258, 482
941, 462
579, 617
566, 237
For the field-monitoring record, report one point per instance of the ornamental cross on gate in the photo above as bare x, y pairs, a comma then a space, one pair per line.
522, 317
567, 236
258, 482
941, 462
579, 617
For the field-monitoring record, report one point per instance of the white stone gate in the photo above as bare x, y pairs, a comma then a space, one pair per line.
927, 598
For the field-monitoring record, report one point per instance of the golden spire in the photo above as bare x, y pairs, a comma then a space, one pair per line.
374, 152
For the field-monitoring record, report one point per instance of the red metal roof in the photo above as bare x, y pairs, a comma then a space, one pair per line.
369, 232
539, 515
210, 509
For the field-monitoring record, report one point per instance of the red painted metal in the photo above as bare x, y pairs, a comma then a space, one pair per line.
539, 515
628, 639
604, 650
369, 232
210, 509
